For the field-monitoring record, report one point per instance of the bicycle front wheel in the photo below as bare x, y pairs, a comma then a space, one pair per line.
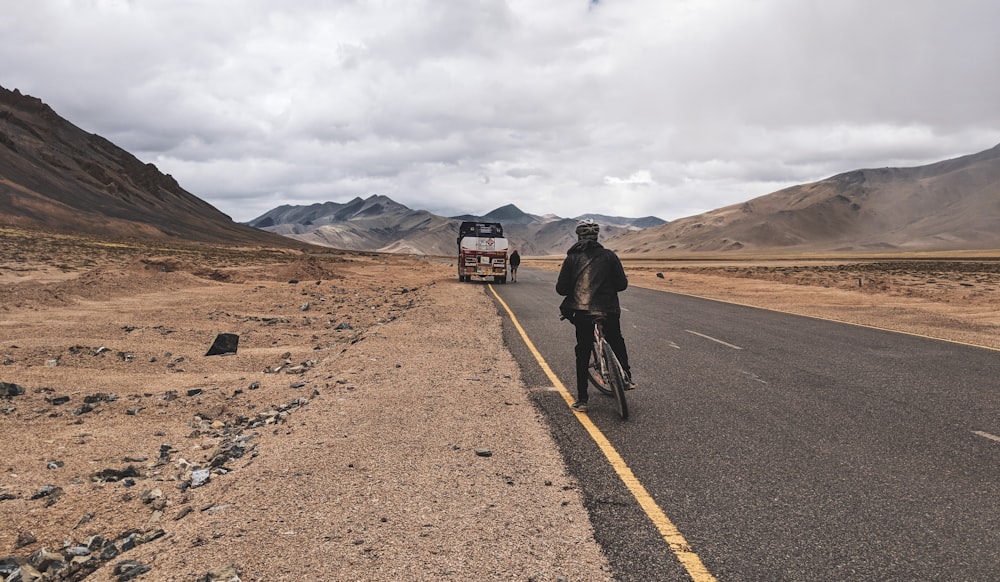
616, 378
596, 371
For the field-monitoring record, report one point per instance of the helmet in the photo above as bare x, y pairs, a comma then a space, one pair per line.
587, 227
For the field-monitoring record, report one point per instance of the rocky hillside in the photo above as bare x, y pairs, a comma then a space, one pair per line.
380, 224
55, 176
949, 205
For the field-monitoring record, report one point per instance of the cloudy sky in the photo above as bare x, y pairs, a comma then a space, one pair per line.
622, 107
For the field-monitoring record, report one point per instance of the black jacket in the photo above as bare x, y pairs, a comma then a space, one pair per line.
590, 279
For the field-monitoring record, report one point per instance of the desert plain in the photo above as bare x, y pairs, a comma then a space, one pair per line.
351, 433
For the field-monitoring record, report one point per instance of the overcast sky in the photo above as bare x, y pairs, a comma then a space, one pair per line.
623, 107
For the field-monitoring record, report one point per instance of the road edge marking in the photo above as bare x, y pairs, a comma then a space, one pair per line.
716, 340
668, 531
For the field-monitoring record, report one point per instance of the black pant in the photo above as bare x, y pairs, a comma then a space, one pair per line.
585, 341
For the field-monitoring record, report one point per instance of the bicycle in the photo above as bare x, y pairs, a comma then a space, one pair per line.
606, 372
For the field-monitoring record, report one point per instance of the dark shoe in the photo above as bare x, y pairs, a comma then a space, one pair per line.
629, 382
579, 406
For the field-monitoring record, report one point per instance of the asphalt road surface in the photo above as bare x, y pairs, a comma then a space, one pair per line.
780, 447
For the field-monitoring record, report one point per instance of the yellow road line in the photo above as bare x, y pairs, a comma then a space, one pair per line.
678, 545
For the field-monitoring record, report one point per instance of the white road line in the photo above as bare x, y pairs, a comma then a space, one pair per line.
986, 435
708, 337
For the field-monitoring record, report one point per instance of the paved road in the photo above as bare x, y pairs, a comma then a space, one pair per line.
781, 447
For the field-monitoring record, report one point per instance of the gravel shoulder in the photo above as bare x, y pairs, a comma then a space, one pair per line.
366, 428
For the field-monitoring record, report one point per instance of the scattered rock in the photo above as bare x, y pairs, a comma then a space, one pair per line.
25, 538
115, 475
659, 275
85, 519
8, 566
227, 573
165, 451
100, 397
200, 477
484, 453
50, 493
225, 343
130, 569
9, 390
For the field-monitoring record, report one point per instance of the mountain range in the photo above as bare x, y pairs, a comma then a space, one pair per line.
378, 223
948, 205
56, 177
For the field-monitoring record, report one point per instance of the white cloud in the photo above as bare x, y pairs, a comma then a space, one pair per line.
640, 178
662, 107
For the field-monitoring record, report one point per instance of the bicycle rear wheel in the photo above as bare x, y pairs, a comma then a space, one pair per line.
596, 373
616, 378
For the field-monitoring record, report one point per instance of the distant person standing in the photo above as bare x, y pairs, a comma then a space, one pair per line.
590, 279
515, 262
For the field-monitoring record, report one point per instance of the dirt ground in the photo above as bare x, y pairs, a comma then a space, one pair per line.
353, 434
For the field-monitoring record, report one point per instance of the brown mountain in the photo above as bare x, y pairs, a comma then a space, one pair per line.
949, 205
55, 176
378, 223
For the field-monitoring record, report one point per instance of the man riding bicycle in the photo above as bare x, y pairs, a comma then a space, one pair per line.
590, 280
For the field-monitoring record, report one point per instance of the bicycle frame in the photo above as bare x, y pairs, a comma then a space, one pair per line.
610, 369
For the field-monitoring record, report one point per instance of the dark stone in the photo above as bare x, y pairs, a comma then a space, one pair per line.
8, 565
9, 390
109, 552
195, 391
130, 569
344, 325
225, 343
84, 409
659, 275
128, 543
113, 475
25, 538
47, 491
58, 400
48, 562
